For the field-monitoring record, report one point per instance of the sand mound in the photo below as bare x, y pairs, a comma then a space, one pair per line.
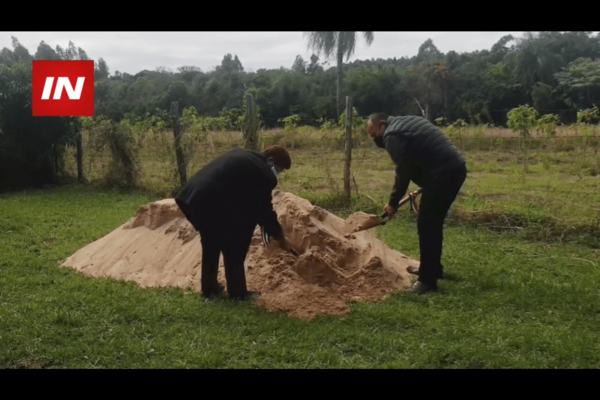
158, 247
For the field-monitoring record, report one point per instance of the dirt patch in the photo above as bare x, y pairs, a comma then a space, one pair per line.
158, 247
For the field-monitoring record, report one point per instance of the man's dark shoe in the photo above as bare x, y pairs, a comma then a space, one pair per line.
415, 271
248, 296
422, 288
212, 296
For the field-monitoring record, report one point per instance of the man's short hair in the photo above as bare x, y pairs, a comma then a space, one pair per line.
281, 157
379, 117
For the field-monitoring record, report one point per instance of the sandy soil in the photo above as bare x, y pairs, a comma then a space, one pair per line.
158, 247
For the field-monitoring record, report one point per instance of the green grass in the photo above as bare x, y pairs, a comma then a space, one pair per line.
521, 255
506, 303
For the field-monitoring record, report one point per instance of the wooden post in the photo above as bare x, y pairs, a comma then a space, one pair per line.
178, 150
79, 140
79, 158
55, 150
251, 126
347, 173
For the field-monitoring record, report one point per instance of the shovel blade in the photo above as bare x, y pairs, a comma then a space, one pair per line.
361, 221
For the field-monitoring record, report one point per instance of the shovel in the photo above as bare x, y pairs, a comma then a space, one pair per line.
360, 221
266, 241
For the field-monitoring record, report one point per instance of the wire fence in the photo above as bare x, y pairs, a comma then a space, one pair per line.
511, 190
365, 156
494, 156
444, 114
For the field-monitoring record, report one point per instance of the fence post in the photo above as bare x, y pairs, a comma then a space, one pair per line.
251, 126
79, 141
347, 172
178, 150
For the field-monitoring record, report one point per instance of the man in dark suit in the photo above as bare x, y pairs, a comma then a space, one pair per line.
422, 154
224, 202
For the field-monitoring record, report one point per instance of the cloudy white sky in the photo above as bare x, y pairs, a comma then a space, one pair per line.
132, 52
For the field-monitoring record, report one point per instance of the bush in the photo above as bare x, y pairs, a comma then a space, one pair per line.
590, 116
31, 148
119, 140
547, 124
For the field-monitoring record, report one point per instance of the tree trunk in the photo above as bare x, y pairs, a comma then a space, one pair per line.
251, 128
56, 168
347, 171
178, 150
524, 152
79, 155
340, 62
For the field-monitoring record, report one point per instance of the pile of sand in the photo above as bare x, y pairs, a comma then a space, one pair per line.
158, 247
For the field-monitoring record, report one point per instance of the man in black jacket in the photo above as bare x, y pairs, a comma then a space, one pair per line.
422, 154
224, 202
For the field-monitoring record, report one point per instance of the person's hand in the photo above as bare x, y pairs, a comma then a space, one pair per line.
389, 210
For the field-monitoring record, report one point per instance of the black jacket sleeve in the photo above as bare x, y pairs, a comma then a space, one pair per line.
267, 217
397, 150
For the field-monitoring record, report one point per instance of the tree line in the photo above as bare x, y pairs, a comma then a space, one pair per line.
554, 72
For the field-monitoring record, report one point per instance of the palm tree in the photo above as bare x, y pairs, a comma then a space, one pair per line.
343, 43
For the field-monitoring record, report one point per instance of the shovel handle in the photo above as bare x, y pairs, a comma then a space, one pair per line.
405, 200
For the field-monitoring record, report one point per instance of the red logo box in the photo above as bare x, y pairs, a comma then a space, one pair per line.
63, 88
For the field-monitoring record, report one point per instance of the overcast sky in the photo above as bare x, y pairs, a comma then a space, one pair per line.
133, 52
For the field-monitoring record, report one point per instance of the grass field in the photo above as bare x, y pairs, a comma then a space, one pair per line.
521, 257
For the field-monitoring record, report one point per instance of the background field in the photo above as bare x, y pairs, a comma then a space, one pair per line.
556, 200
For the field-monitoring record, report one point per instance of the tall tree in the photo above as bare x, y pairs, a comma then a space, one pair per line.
19, 54
579, 83
299, 65
230, 65
500, 49
314, 66
75, 53
343, 44
428, 52
45, 52
31, 148
101, 71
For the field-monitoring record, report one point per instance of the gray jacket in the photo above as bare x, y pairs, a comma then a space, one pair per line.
421, 152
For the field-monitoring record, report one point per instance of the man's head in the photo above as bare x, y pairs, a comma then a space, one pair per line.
278, 158
377, 124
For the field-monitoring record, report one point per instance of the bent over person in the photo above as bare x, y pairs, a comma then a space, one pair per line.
224, 202
422, 154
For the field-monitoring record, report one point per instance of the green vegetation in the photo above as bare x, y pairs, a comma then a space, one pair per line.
522, 246
555, 72
521, 255
514, 297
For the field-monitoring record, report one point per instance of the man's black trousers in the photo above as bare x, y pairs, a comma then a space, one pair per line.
436, 199
232, 238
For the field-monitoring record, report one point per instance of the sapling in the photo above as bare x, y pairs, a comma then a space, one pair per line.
522, 119
547, 125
